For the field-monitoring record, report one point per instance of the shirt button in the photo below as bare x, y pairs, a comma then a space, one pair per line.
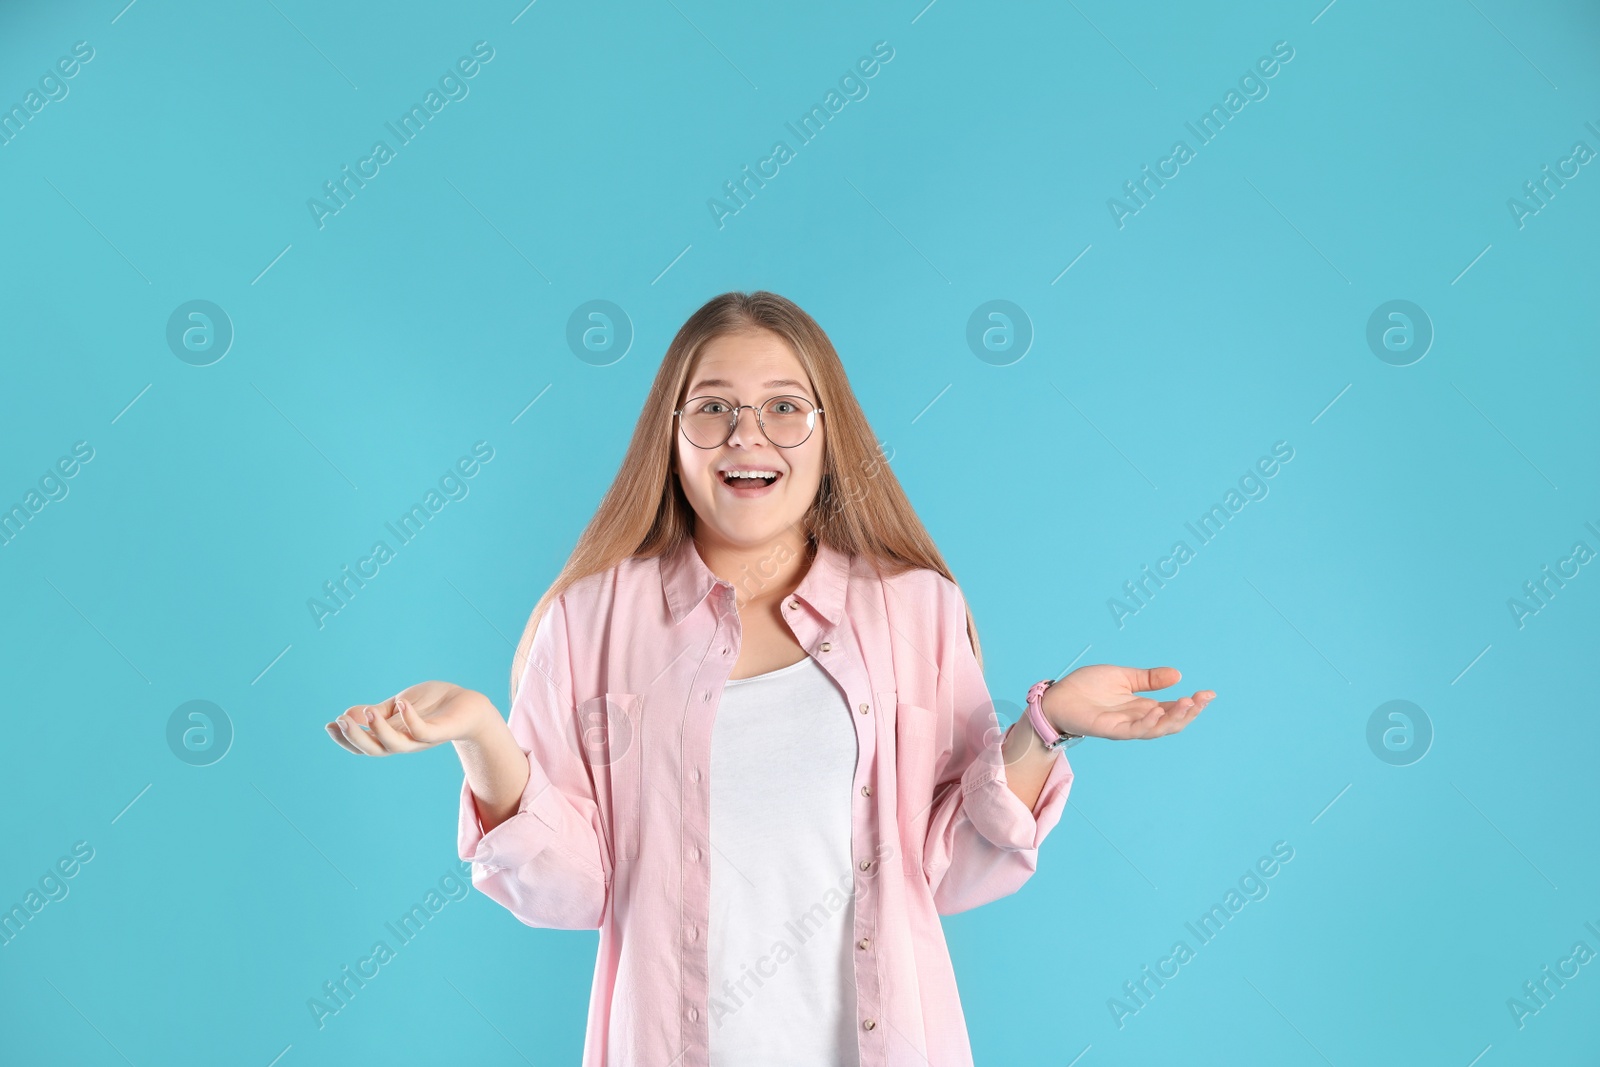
793, 605
694, 775
866, 790
864, 709
694, 1013
694, 855
866, 865
706, 695
694, 935
863, 943
826, 646
866, 1023
726, 651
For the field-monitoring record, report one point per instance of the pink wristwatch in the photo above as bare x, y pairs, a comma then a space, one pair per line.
1051, 737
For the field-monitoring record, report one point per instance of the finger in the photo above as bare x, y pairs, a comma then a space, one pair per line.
1178, 720
414, 724
390, 738
397, 723
1154, 713
355, 716
359, 737
1144, 679
1140, 714
1153, 722
1187, 714
339, 738
1171, 712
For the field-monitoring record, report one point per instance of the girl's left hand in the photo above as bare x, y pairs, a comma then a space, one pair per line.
1098, 701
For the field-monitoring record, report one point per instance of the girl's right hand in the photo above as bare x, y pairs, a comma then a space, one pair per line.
413, 719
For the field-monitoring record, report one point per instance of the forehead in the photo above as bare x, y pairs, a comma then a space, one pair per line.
748, 363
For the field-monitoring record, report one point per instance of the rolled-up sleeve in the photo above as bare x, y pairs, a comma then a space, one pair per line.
983, 841
548, 863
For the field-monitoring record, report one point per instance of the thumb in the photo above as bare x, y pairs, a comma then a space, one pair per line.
414, 724
1143, 679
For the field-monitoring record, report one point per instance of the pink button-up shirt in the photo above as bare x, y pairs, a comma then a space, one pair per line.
615, 710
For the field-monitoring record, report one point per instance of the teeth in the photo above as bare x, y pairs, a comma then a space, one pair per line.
749, 474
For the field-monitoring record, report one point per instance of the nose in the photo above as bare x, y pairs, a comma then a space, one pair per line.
740, 433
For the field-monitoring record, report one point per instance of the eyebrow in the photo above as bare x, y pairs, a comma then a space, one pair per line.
725, 384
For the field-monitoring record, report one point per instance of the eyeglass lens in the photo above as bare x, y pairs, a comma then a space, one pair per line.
708, 421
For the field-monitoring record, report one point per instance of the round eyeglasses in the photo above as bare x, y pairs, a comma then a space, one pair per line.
708, 421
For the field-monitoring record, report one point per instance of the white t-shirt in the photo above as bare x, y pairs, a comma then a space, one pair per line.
783, 762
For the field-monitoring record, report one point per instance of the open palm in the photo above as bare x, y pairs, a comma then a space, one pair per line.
1099, 701
418, 717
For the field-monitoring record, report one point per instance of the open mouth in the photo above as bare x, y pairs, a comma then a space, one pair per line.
750, 479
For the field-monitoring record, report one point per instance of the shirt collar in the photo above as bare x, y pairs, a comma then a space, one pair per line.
686, 581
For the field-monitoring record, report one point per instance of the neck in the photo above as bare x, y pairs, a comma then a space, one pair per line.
763, 573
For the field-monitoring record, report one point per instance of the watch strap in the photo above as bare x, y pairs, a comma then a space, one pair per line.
1048, 734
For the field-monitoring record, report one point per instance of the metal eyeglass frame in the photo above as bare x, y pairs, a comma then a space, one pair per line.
733, 419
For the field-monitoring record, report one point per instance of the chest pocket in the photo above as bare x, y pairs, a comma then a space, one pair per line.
611, 742
916, 755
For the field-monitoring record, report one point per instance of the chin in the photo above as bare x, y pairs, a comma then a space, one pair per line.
755, 531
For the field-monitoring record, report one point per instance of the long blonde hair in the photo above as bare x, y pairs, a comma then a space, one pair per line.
860, 508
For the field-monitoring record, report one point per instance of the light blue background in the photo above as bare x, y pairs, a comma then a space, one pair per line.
1229, 314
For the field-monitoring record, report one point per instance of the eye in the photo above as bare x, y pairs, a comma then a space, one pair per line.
712, 407
784, 407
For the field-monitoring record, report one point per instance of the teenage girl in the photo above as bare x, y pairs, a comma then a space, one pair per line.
750, 740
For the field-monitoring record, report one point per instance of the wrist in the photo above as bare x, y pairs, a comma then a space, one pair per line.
1022, 744
1050, 733
483, 722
